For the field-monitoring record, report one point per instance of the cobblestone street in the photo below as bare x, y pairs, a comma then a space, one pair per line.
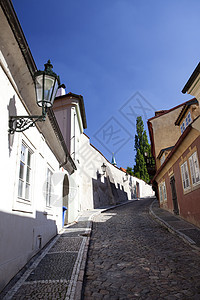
133, 257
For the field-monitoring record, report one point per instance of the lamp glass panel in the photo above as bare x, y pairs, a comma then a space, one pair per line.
48, 89
54, 92
39, 88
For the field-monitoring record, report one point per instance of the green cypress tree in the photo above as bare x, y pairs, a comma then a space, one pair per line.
141, 146
129, 170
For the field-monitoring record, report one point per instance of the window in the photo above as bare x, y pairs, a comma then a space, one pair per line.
24, 183
186, 122
189, 117
194, 168
185, 176
160, 193
181, 129
164, 192
48, 187
162, 159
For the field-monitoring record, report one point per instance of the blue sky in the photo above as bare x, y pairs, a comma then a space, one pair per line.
126, 57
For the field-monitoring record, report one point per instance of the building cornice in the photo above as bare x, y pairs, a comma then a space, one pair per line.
16, 28
178, 143
192, 79
184, 110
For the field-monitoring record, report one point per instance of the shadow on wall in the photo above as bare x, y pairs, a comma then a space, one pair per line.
21, 238
12, 111
106, 193
132, 189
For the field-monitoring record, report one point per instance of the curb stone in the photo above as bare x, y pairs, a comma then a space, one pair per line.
171, 229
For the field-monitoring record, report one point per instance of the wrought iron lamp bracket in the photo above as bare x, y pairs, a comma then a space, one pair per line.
21, 123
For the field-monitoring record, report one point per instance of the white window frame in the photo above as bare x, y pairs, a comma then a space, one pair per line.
164, 191
161, 193
185, 176
189, 117
194, 169
186, 122
25, 173
48, 189
183, 125
181, 129
162, 159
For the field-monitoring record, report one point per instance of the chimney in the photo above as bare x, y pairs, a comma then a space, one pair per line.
60, 92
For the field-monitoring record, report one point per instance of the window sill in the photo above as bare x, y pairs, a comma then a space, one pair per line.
191, 189
48, 211
22, 205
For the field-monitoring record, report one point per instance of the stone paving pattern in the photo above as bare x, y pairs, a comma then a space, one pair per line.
133, 257
42, 290
52, 276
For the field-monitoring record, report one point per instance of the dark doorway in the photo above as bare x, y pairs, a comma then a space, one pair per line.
137, 189
174, 195
65, 200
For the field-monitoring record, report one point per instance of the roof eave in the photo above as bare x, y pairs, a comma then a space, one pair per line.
180, 140
192, 78
16, 28
184, 110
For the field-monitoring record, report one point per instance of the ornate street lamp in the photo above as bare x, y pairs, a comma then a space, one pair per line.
46, 86
103, 167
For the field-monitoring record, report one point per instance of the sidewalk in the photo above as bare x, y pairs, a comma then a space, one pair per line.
185, 230
58, 269
57, 272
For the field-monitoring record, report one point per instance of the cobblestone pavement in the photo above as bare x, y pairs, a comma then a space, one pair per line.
54, 273
133, 257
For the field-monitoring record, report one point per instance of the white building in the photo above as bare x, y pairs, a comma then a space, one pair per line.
49, 166
33, 163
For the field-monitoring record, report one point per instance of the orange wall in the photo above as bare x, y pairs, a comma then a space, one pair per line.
189, 203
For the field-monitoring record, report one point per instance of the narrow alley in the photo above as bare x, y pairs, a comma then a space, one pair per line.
133, 257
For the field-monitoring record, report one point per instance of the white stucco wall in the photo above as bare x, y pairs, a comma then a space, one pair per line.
97, 190
25, 226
